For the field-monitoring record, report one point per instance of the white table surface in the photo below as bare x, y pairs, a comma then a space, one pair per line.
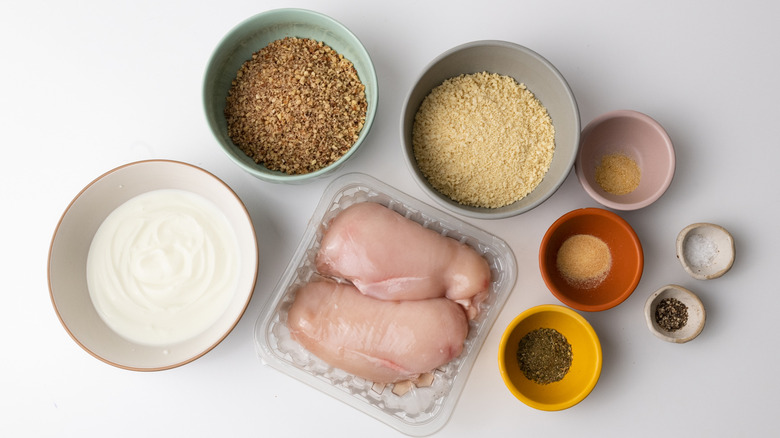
90, 85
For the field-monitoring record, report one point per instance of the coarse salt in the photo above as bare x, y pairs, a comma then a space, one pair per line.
700, 251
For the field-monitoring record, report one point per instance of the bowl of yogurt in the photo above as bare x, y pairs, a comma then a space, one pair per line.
152, 265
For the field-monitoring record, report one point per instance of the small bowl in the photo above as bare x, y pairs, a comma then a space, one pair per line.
252, 35
526, 67
625, 248
696, 314
636, 136
70, 246
585, 368
706, 251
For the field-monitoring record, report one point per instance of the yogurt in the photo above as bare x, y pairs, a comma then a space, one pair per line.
163, 267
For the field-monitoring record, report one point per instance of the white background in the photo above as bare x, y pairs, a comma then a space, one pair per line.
90, 85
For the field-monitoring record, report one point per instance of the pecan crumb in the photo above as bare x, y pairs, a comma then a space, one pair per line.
296, 106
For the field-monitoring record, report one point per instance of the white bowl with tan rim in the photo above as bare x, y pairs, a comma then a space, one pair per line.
70, 247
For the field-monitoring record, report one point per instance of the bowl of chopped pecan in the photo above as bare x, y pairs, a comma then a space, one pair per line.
290, 94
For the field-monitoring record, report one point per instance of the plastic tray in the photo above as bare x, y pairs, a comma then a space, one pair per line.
421, 410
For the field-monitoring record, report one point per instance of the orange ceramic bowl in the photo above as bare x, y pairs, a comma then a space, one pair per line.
625, 249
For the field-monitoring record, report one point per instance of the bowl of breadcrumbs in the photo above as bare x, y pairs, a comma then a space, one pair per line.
290, 94
490, 129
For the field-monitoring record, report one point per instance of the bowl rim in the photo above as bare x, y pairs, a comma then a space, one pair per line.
623, 225
668, 148
269, 175
650, 315
51, 286
582, 322
486, 213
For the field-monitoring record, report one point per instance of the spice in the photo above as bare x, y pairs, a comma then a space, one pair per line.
483, 140
584, 260
699, 251
618, 174
671, 314
296, 106
544, 355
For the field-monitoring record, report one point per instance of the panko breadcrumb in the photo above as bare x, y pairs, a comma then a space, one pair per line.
483, 139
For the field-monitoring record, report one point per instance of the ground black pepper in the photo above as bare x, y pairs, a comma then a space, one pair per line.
671, 314
544, 355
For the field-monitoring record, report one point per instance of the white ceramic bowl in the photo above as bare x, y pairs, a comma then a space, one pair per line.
70, 247
706, 251
526, 67
696, 314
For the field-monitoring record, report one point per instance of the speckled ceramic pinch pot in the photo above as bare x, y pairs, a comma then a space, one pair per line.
706, 251
526, 67
695, 309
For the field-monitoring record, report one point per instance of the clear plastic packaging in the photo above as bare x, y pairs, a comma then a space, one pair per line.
420, 409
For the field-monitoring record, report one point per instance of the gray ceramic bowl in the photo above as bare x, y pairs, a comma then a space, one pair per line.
525, 66
257, 32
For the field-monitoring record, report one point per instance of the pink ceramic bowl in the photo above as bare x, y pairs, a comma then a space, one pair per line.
636, 136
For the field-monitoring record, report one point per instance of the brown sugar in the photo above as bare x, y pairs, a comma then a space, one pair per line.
584, 260
618, 174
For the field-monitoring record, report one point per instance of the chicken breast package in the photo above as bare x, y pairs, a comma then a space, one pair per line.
386, 304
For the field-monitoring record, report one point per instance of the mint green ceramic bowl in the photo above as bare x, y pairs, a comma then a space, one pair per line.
257, 32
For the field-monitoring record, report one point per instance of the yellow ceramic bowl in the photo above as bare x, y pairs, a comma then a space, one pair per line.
586, 358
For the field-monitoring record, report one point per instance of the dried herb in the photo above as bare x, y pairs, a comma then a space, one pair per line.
544, 355
671, 314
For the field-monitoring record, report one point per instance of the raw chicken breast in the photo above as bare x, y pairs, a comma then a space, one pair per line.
381, 341
390, 257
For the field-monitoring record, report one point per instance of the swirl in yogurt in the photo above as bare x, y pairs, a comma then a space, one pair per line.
163, 267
